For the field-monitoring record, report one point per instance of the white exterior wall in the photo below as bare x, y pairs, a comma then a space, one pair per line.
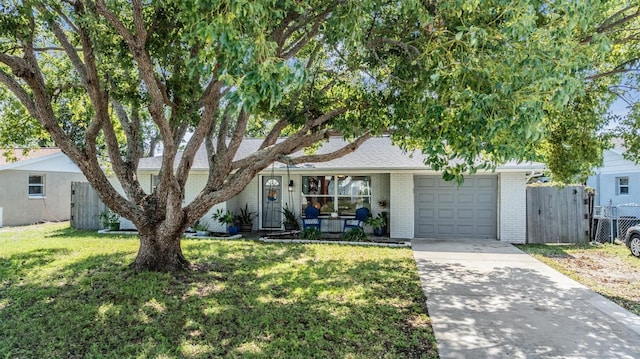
512, 207
380, 190
194, 185
250, 196
604, 181
605, 186
21, 209
401, 205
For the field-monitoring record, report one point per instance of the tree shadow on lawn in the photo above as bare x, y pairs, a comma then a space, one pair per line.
69, 232
241, 300
18, 265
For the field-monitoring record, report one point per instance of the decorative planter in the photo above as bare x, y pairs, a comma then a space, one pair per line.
378, 232
246, 227
291, 226
233, 230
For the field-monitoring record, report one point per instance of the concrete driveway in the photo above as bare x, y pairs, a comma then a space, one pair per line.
488, 299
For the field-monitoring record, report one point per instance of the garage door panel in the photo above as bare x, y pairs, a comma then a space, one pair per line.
427, 182
486, 230
427, 228
445, 197
444, 209
445, 214
466, 230
426, 198
485, 182
427, 213
465, 214
485, 198
446, 229
466, 198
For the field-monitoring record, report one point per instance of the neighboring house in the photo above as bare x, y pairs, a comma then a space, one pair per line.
378, 175
617, 181
37, 187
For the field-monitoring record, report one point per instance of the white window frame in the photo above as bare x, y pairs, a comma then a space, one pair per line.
40, 185
622, 189
333, 195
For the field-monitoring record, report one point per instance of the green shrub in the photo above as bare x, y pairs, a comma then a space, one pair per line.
354, 235
311, 233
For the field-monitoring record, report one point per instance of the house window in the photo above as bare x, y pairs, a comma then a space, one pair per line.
342, 193
36, 186
622, 186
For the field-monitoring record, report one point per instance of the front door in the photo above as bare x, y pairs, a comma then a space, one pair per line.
271, 201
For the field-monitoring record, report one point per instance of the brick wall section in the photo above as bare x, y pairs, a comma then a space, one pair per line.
512, 208
401, 207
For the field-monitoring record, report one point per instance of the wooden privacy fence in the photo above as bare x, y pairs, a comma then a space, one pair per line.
86, 206
557, 215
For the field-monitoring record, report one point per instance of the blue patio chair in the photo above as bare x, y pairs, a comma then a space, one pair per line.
362, 214
311, 218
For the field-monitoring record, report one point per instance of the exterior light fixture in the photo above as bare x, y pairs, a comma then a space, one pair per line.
290, 185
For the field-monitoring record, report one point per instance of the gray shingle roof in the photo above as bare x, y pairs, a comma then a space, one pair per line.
376, 153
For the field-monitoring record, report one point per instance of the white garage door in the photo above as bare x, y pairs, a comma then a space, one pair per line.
445, 210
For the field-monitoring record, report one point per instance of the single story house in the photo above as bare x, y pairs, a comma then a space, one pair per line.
617, 181
36, 187
380, 176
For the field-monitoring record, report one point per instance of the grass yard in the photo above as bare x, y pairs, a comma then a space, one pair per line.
69, 294
608, 269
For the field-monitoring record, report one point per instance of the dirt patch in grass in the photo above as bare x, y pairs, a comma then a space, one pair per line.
608, 269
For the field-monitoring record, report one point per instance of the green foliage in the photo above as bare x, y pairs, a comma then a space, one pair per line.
290, 217
68, 293
629, 131
224, 217
469, 83
108, 216
377, 222
354, 235
246, 216
311, 233
575, 140
201, 226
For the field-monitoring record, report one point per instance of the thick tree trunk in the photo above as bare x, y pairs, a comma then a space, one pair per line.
159, 252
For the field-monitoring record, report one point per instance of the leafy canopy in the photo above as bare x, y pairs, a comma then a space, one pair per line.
467, 82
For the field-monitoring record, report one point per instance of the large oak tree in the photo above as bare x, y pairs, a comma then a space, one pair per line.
468, 82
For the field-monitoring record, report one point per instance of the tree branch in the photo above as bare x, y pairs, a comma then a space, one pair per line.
621, 68
18, 91
609, 24
146, 69
275, 133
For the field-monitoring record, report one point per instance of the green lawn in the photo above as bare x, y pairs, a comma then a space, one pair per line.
69, 294
608, 269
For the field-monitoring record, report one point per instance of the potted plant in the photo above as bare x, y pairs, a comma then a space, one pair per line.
110, 220
378, 223
202, 229
245, 219
228, 219
290, 218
